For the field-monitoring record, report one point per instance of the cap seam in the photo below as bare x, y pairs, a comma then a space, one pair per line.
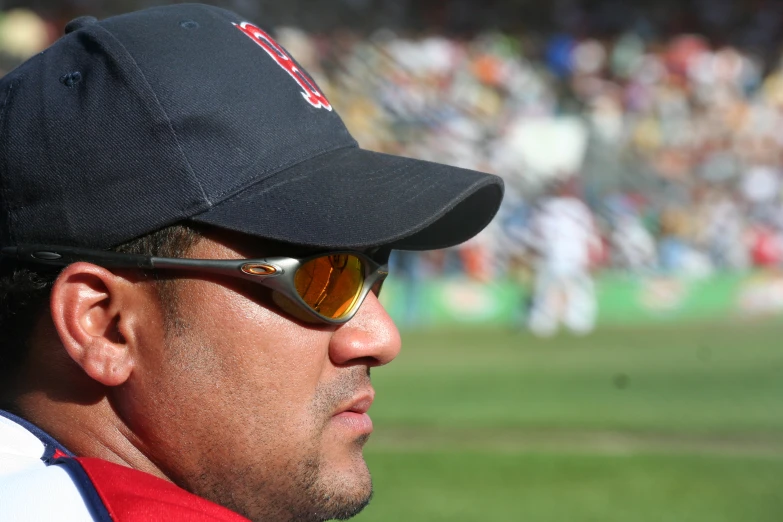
170, 126
278, 184
3, 126
272, 172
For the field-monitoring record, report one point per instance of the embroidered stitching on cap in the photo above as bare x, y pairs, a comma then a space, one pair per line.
310, 92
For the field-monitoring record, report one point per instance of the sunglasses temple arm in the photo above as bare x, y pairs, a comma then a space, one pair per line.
63, 256
215, 266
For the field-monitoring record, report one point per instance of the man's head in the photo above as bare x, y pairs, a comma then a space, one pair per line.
222, 390
187, 132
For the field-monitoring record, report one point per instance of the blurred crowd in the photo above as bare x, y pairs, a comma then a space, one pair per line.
673, 142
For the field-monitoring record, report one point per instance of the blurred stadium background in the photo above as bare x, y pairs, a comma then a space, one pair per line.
666, 119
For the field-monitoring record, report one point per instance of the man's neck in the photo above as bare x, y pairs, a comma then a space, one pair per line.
88, 430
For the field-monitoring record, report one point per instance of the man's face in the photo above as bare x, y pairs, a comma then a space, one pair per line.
251, 408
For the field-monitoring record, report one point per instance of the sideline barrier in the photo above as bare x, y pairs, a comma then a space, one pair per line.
622, 299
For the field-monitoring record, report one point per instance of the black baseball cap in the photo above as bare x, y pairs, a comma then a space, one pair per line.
191, 113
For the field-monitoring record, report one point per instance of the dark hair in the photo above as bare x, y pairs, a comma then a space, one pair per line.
25, 291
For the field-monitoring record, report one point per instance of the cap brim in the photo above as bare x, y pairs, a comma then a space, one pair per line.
356, 199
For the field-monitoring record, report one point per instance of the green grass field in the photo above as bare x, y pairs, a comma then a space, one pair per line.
657, 425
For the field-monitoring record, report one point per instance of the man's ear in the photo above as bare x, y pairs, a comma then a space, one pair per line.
93, 314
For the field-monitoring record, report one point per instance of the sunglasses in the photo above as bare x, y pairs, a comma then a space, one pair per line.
329, 287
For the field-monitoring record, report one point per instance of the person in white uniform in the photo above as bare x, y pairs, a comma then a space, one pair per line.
564, 237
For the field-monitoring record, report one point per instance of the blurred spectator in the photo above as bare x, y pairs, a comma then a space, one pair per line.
633, 245
22, 34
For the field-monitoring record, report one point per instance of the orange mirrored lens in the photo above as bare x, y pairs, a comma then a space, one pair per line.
331, 284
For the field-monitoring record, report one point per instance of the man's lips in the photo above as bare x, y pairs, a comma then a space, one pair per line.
359, 404
354, 414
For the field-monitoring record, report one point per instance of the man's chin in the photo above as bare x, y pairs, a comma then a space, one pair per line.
343, 509
346, 494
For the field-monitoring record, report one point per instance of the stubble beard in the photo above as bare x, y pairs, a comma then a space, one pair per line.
325, 498
321, 495
301, 489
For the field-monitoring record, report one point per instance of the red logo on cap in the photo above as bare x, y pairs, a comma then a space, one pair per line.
309, 90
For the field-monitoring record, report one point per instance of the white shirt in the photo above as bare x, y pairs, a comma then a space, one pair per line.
31, 491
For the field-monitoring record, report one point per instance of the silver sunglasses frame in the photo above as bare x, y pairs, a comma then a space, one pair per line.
275, 273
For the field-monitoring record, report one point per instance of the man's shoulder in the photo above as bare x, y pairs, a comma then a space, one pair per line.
29, 488
40, 480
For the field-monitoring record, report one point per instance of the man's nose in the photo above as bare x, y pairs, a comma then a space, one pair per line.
369, 338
